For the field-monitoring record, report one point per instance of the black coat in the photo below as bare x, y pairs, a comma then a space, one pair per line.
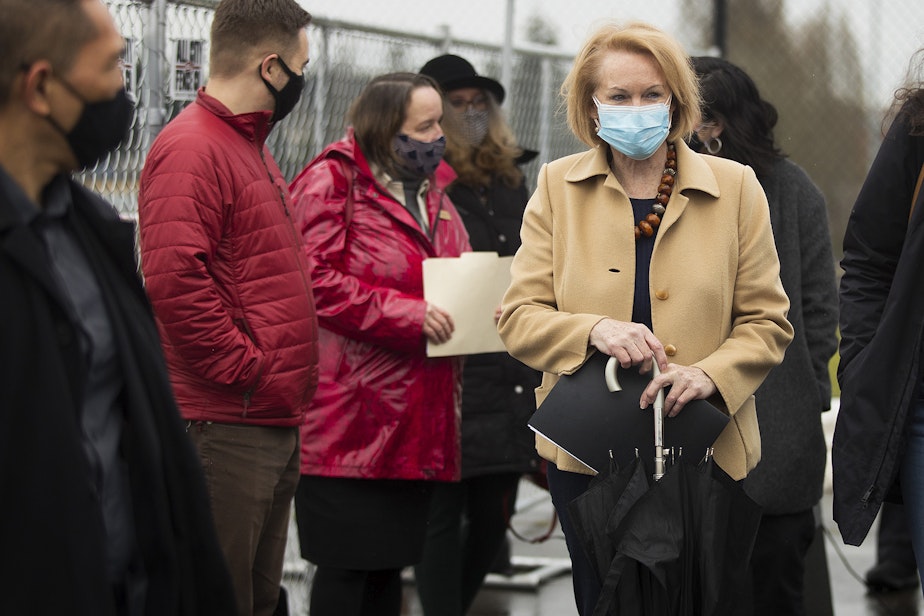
882, 320
497, 390
790, 476
51, 528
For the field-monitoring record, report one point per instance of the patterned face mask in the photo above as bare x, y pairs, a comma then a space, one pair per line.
474, 125
419, 158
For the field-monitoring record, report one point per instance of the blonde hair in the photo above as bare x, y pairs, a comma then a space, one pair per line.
578, 88
494, 157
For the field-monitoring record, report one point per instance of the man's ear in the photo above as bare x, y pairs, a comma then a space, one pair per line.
268, 66
32, 87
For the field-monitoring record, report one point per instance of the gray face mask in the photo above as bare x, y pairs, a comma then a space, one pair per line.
474, 125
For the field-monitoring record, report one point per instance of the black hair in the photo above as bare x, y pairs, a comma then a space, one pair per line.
730, 95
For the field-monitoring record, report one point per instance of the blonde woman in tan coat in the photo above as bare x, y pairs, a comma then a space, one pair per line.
648, 252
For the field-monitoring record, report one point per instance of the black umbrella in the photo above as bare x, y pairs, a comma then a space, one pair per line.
609, 497
679, 545
683, 548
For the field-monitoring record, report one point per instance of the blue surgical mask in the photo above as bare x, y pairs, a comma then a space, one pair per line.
637, 132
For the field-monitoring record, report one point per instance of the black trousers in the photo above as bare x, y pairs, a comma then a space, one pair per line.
564, 488
345, 592
778, 563
893, 541
465, 530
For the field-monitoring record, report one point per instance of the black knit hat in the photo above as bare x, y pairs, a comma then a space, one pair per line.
453, 72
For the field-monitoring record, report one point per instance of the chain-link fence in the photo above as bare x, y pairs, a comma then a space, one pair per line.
830, 120
166, 61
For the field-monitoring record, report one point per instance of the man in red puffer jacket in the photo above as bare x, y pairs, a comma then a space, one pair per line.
227, 275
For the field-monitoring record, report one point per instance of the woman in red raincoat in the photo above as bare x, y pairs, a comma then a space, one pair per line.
384, 423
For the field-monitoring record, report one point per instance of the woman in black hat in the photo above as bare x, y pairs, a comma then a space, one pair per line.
468, 520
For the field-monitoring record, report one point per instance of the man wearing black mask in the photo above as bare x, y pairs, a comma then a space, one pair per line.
227, 275
95, 469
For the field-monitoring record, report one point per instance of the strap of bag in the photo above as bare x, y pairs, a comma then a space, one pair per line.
917, 191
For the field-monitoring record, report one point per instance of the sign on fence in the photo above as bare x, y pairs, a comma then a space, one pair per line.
188, 67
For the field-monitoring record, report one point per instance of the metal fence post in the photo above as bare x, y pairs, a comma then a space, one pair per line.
153, 86
545, 109
507, 49
319, 125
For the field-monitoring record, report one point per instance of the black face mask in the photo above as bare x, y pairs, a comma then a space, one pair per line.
101, 127
289, 95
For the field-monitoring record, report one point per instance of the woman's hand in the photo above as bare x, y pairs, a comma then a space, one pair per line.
630, 343
686, 383
438, 325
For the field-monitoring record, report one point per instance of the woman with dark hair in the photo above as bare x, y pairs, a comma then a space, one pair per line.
468, 520
878, 450
738, 124
383, 426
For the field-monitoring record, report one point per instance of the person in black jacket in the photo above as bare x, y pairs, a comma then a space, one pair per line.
105, 508
738, 124
878, 448
468, 520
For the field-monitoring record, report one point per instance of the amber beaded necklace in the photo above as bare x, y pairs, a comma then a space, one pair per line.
646, 226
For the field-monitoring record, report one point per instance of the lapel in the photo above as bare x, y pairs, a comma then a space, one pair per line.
24, 248
377, 195
693, 175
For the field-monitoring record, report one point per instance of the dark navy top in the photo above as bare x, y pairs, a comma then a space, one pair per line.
641, 306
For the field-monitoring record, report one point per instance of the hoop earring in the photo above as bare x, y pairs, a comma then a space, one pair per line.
713, 145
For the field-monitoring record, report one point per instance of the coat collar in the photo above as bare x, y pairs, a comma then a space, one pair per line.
694, 173
254, 126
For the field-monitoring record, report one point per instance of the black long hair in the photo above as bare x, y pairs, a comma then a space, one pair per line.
730, 95
909, 99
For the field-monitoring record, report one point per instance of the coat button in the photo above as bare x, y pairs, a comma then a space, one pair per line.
518, 389
670, 350
662, 294
502, 237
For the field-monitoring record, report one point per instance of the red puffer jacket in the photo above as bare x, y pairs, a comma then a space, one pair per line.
382, 409
225, 270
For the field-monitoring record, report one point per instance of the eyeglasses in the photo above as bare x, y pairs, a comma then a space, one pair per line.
460, 103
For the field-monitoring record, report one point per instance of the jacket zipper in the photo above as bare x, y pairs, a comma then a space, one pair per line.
294, 233
245, 327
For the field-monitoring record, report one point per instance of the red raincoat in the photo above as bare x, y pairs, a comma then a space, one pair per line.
382, 408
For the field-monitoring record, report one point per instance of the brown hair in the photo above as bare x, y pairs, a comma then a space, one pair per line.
494, 157
378, 113
578, 88
243, 27
32, 30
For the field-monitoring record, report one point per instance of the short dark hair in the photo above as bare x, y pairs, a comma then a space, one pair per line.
241, 27
730, 95
32, 30
378, 113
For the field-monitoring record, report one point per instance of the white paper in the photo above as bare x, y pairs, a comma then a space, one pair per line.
470, 289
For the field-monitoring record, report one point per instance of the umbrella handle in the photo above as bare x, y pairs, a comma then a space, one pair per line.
609, 375
658, 412
612, 384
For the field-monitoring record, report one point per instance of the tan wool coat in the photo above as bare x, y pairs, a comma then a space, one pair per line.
716, 298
